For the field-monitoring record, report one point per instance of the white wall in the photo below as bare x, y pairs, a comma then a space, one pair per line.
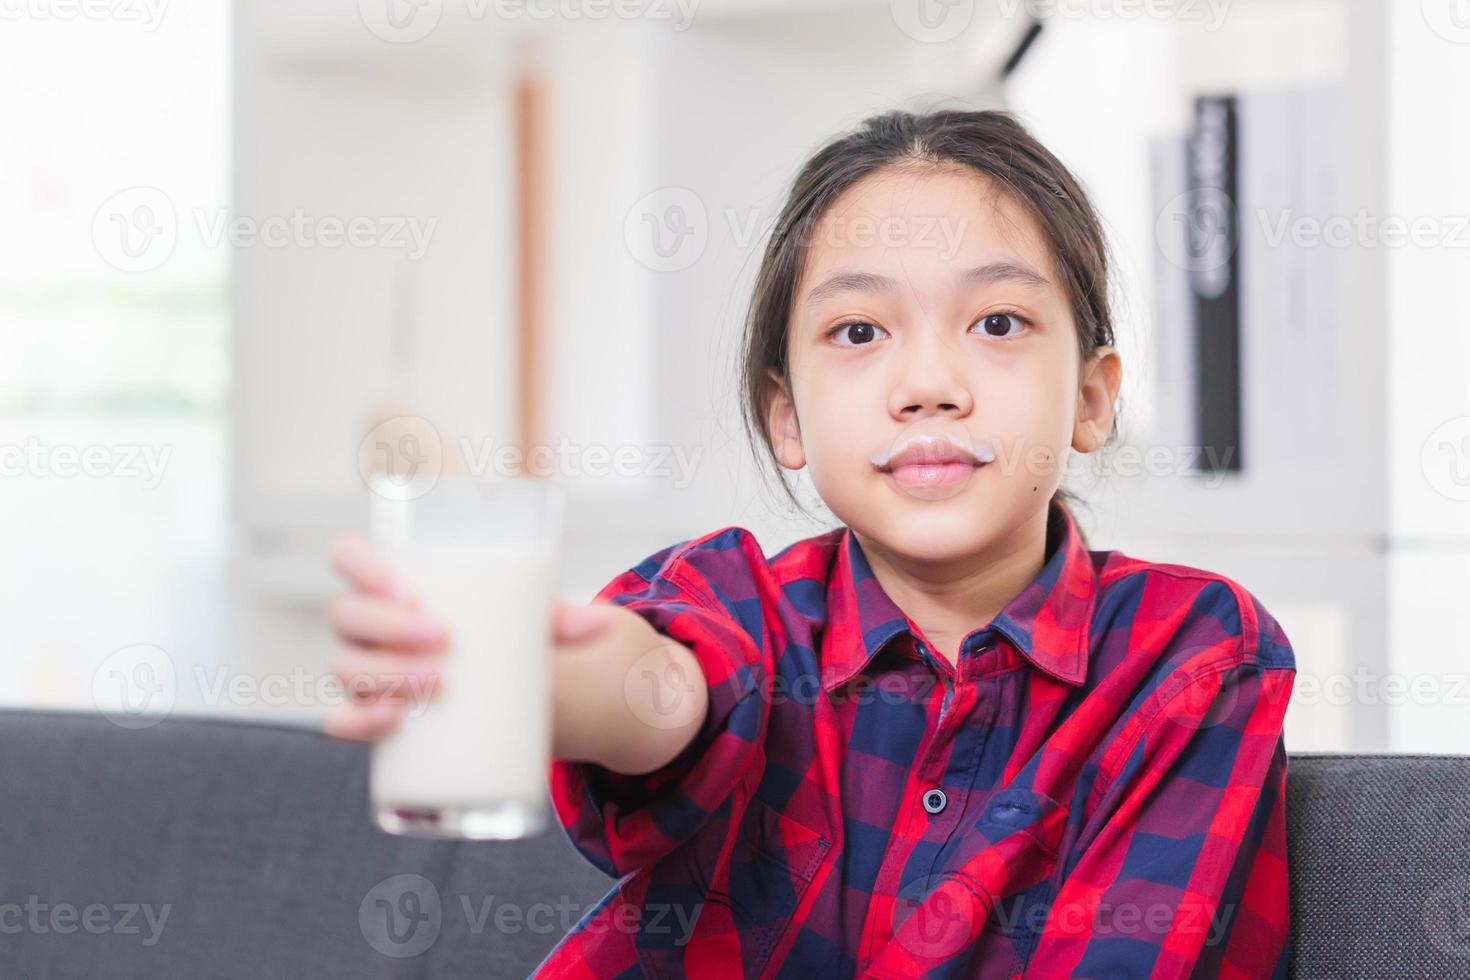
1427, 150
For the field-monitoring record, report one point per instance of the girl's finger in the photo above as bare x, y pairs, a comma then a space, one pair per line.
357, 559
370, 675
362, 722
371, 621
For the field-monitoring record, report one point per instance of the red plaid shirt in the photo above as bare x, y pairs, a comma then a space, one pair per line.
1097, 790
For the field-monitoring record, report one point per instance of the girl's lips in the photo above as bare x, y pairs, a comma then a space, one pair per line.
916, 478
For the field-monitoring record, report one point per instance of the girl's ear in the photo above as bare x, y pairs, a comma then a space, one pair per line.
781, 424
1102, 376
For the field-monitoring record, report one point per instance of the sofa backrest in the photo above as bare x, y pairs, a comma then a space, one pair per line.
220, 849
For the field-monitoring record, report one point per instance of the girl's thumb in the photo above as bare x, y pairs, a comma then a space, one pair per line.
574, 621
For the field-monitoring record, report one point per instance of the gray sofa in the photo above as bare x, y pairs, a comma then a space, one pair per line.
207, 849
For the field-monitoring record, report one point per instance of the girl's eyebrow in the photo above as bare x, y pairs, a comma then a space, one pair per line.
1016, 272
872, 282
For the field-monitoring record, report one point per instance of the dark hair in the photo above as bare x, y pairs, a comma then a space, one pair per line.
989, 142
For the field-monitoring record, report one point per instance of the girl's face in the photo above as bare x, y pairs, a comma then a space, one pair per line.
930, 314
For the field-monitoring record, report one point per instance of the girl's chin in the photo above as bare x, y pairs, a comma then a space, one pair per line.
934, 536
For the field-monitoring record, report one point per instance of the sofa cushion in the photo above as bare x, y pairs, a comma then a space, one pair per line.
1380, 865
227, 849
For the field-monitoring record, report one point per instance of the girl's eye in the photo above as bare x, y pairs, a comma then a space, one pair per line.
859, 332
997, 324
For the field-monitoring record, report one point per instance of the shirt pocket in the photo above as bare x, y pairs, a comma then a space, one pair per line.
772, 865
748, 904
975, 912
1025, 828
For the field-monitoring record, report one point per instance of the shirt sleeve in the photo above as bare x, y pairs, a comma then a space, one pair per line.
704, 595
1187, 875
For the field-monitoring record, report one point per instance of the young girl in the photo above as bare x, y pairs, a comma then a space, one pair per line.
944, 738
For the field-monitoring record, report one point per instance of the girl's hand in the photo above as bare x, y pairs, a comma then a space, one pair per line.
390, 649
622, 694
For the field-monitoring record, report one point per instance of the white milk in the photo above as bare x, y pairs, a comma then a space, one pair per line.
472, 760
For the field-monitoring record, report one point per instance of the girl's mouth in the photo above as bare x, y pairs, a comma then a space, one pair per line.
933, 466
916, 477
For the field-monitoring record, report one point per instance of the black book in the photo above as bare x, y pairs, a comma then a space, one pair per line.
1214, 279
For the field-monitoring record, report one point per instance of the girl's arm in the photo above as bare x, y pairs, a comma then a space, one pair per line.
624, 696
697, 673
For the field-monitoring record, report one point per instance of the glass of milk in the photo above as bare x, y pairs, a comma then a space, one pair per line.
470, 760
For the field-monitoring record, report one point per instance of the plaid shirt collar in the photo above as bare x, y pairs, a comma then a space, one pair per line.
1047, 622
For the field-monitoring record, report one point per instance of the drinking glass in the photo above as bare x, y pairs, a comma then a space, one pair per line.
482, 554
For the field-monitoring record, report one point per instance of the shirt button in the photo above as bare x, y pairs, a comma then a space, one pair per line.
934, 800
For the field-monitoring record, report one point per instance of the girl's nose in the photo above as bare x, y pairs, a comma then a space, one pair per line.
929, 381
